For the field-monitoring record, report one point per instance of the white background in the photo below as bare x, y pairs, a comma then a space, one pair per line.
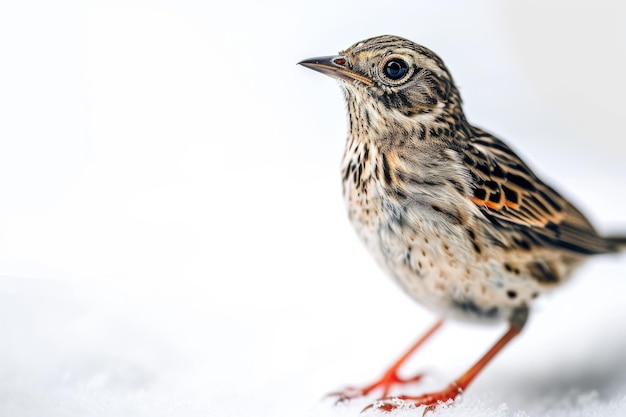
172, 235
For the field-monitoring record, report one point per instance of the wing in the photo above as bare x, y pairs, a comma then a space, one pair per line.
510, 194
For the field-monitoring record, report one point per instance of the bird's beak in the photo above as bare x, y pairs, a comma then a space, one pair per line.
336, 67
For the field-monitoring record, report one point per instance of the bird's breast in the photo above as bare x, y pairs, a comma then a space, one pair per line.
427, 251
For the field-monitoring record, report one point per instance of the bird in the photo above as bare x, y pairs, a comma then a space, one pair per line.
449, 211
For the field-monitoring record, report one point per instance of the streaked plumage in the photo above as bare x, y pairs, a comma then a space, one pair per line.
448, 210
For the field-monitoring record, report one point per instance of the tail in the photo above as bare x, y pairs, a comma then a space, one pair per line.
617, 242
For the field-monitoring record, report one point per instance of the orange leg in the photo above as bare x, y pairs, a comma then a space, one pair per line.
457, 387
390, 377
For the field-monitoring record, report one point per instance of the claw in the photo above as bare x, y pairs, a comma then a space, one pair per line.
386, 383
347, 394
429, 401
386, 404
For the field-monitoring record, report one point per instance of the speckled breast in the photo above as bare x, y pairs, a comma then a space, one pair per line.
434, 262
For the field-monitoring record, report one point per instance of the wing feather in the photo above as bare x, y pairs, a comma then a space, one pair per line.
510, 194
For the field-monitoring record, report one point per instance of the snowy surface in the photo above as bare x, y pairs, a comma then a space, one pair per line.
172, 235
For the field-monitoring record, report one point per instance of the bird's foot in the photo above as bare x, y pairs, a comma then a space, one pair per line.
430, 401
388, 381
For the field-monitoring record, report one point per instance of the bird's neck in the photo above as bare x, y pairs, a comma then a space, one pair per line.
386, 147
370, 121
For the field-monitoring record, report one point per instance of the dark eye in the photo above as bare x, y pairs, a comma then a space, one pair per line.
396, 69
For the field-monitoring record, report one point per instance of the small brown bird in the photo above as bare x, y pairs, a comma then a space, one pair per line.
456, 218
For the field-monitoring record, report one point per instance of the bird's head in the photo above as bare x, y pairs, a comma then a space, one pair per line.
394, 72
